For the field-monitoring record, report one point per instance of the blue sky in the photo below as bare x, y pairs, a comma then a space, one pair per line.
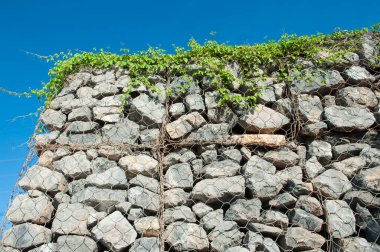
46, 27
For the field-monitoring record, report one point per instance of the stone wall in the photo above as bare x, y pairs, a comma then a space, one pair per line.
301, 171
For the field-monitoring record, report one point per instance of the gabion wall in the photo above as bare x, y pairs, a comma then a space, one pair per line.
301, 171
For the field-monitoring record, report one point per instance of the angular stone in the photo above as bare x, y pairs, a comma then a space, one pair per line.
113, 178
296, 187
212, 219
256, 162
43, 179
176, 197
263, 185
102, 164
332, 184
147, 226
313, 168
275, 218
176, 110
349, 166
135, 213
290, 173
42, 140
225, 168
297, 238
85, 92
371, 156
368, 223
357, 244
75, 166
301, 218
282, 158
347, 119
283, 201
85, 140
149, 136
179, 176
186, 237
144, 244
357, 97
266, 230
232, 154
244, 211
53, 120
68, 105
263, 120
76, 186
144, 198
76, 243
364, 198
237, 249
340, 219
37, 210
182, 86
49, 247
146, 111
104, 89
108, 114
80, 114
219, 189
310, 205
25, 236
256, 242
61, 198
344, 151
321, 150
125, 132
184, 125
146, 182
80, 127
94, 218
139, 164
209, 132
57, 102
309, 108
201, 209
283, 106
194, 102
114, 232
368, 179
222, 115
225, 236
104, 78
358, 75
313, 130
179, 213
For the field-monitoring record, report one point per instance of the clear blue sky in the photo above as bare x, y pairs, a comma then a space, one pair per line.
46, 27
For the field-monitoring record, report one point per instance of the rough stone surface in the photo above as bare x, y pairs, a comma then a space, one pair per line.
263, 185
179, 213
244, 211
361, 97
225, 168
140, 164
146, 111
297, 238
282, 158
255, 162
339, 218
368, 179
144, 244
179, 176
184, 125
53, 120
309, 108
332, 183
143, 198
186, 237
147, 226
112, 178
301, 218
125, 132
76, 243
75, 166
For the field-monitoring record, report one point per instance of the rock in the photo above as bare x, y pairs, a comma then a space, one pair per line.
146, 111
176, 197
368, 223
256, 242
358, 75
340, 219
176, 110
125, 132
76, 186
86, 140
344, 151
296, 187
357, 244
72, 219
225, 168
101, 164
25, 236
36, 210
103, 200
301, 218
222, 115
104, 89
179, 213
364, 198
94, 218
186, 237
256, 162
371, 156
149, 136
201, 209
179, 176
357, 97
282, 158
219, 189
237, 249
321, 150
144, 198
309, 108
85, 92
347, 119
297, 238
368, 179
225, 236
194, 102
42, 140
283, 201
212, 219
284, 107
146, 182
114, 232
139, 164
136, 213
81, 127
113, 178
75, 166
310, 205
184, 125
113, 101
369, 51
43, 179
49, 247
275, 218
144, 244
76, 243
328, 101
57, 102
266, 230
209, 156
68, 105
349, 166
209, 133
313, 168
182, 86
263, 185
232, 154
332, 184
53, 120
147, 226
80, 114
108, 114
244, 211
290, 173
60, 198
313, 130
263, 120
104, 78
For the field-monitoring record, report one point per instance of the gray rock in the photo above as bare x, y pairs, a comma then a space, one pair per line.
113, 101
103, 200
125, 132
283, 201
80, 114
149, 136
368, 223
297, 238
209, 156
225, 168
244, 211
43, 179
123, 207
357, 244
232, 154
108, 114
263, 185
371, 156
345, 151
328, 101
146, 182
139, 164
358, 75
76, 243
37, 210
104, 89
321, 150
53, 119
114, 232
313, 168
225, 236
186, 155
275, 218
102, 164
349, 166
182, 86
368, 179
42, 140
310, 205
60, 198
135, 213
255, 162
144, 244
85, 92
201, 209
313, 130
194, 102
219, 189
179, 213
184, 125
68, 105
237, 249
290, 173
357, 97
256, 242
282, 158
262, 119
212, 219
146, 111
49, 247
113, 178
222, 115
104, 78
364, 198
301, 218
25, 236
147, 226
94, 218
57, 102
179, 176
284, 107
296, 187
144, 198
340, 219
209, 133
369, 51
186, 237
76, 186
309, 108
332, 184
176, 110
85, 140
176, 197
266, 230
75, 166
80, 127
